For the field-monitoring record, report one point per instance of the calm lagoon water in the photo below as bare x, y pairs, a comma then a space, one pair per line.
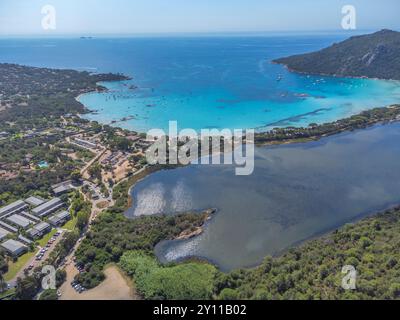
220, 82
296, 192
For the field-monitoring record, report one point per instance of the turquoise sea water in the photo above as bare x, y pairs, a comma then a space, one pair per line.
221, 82
231, 83
296, 101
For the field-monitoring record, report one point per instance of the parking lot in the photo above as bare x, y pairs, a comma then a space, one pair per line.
44, 252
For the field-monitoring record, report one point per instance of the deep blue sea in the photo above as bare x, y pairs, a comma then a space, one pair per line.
203, 82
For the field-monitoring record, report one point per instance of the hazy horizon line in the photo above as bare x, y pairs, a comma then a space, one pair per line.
199, 33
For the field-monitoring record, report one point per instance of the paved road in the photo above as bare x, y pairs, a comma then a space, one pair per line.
71, 270
91, 162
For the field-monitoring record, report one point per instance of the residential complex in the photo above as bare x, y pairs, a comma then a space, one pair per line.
24, 221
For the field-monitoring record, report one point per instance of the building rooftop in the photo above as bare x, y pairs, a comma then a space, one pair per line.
55, 219
3, 233
63, 214
34, 201
45, 207
19, 221
33, 233
41, 226
62, 189
25, 240
29, 216
8, 227
17, 205
13, 246
67, 182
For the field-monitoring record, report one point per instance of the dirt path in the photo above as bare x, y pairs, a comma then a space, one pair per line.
91, 162
115, 287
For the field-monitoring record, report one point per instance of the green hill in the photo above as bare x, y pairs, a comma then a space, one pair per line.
374, 55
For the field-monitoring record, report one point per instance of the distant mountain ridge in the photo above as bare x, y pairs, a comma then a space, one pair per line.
374, 55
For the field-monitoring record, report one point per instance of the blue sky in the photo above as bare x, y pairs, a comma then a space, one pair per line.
23, 17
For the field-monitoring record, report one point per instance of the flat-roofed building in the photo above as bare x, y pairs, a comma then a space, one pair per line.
15, 248
19, 221
63, 187
14, 207
48, 207
33, 233
29, 216
3, 233
39, 230
67, 182
8, 227
34, 201
59, 219
24, 240
85, 143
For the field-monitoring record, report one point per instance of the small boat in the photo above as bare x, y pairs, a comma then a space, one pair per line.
279, 78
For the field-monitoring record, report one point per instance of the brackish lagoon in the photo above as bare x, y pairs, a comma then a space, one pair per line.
296, 192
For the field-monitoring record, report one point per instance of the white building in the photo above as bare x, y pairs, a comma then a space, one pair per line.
48, 207
3, 233
12, 208
15, 248
34, 201
19, 221
59, 219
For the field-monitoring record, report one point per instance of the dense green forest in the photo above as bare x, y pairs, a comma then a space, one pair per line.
33, 97
112, 234
311, 271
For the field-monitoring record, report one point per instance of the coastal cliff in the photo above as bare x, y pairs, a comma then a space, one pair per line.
374, 55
